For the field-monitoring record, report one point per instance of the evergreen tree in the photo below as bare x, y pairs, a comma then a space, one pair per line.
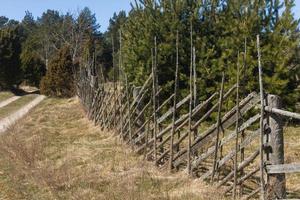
10, 50
59, 79
29, 23
112, 38
3, 21
32, 65
220, 29
279, 56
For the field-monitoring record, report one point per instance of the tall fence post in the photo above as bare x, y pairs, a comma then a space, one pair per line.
276, 187
135, 93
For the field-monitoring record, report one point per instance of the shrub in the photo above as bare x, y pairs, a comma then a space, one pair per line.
59, 79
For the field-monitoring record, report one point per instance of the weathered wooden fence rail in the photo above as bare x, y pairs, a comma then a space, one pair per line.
229, 153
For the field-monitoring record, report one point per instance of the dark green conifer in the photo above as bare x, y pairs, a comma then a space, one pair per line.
59, 80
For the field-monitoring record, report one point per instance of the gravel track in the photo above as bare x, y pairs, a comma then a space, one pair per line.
11, 119
8, 101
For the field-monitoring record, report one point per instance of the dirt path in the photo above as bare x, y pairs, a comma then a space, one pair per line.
11, 119
8, 101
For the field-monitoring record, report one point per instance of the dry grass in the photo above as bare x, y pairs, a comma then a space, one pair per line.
5, 95
56, 153
14, 106
292, 155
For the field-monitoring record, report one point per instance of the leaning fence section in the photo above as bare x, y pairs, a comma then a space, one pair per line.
241, 151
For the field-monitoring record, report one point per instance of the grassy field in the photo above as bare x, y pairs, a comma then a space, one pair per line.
292, 155
5, 95
14, 106
58, 154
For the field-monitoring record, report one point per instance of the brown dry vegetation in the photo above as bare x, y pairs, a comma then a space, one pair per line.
56, 153
292, 155
5, 95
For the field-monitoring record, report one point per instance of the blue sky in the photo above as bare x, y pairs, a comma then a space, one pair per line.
104, 9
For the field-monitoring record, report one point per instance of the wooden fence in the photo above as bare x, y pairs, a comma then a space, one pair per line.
240, 152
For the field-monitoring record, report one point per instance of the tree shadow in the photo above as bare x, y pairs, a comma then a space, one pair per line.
21, 92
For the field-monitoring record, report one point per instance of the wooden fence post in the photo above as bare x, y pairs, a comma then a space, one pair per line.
276, 187
135, 93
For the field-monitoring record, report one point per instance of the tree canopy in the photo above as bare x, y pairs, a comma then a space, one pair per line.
10, 50
222, 32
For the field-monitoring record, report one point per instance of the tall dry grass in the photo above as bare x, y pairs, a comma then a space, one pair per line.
56, 153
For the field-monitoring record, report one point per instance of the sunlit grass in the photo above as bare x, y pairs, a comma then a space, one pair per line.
56, 153
14, 106
292, 155
5, 95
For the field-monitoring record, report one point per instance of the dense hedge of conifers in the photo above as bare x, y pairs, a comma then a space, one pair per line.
221, 31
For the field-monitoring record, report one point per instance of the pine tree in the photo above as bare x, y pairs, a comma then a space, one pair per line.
279, 53
32, 65
111, 38
221, 30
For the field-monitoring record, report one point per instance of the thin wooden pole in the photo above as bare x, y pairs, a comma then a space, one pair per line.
154, 97
120, 67
128, 106
157, 103
114, 82
243, 132
194, 76
190, 106
262, 181
156, 77
193, 63
283, 113
147, 138
236, 127
120, 56
195, 85
191, 43
218, 127
174, 104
